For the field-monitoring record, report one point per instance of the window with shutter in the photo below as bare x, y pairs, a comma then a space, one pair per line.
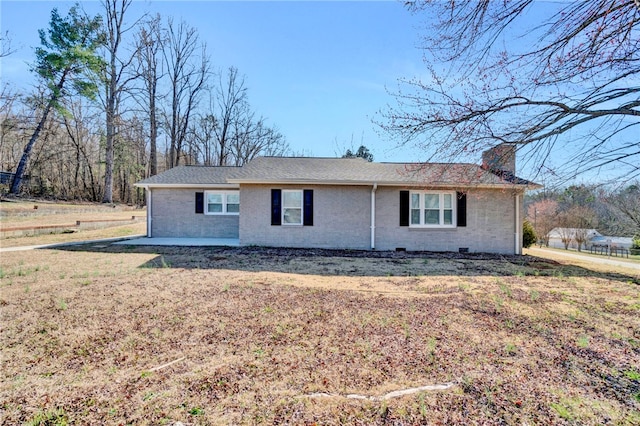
432, 209
199, 202
292, 207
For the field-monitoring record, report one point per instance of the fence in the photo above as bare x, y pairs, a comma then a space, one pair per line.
609, 250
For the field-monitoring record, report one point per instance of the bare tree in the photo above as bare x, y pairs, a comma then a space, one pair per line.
626, 202
10, 125
130, 160
566, 229
187, 65
149, 64
80, 128
117, 80
202, 139
584, 219
252, 137
543, 215
572, 87
231, 102
5, 45
230, 134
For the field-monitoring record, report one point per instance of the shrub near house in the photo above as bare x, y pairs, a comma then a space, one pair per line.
528, 235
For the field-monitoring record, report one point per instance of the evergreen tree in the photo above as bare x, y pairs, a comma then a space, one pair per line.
63, 63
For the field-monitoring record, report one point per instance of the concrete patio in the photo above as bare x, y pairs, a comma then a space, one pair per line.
185, 242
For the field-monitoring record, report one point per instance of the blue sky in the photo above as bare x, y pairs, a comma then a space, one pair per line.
317, 70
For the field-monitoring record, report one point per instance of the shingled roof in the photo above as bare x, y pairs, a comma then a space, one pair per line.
353, 171
192, 176
337, 171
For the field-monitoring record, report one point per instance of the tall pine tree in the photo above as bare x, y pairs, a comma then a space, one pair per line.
64, 64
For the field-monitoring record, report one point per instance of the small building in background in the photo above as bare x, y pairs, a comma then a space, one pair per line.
557, 235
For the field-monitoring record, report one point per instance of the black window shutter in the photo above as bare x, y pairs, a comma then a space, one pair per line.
276, 212
199, 202
462, 208
307, 207
404, 208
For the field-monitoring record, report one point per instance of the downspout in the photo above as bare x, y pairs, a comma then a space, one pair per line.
517, 227
149, 215
373, 216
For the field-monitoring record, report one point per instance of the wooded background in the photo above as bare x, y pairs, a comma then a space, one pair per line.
118, 102
122, 97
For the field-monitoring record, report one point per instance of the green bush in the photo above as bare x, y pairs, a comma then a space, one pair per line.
636, 242
528, 235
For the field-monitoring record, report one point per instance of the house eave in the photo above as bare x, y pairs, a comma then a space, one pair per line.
187, 185
378, 183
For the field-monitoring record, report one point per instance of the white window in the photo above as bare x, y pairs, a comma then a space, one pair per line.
292, 207
432, 209
222, 202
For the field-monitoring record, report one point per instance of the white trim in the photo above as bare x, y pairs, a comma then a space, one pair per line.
411, 184
373, 216
235, 184
441, 209
282, 208
517, 227
211, 186
149, 215
225, 203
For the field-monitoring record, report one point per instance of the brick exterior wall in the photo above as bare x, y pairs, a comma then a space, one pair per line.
341, 214
490, 225
173, 216
342, 219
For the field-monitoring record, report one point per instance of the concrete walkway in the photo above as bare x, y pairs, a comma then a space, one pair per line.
138, 240
69, 243
185, 242
603, 260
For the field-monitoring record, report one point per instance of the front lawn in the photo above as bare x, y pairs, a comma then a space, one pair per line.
104, 334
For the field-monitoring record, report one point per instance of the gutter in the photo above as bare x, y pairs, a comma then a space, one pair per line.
149, 215
373, 216
518, 246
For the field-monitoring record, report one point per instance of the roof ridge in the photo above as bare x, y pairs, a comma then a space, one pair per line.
310, 158
426, 162
203, 166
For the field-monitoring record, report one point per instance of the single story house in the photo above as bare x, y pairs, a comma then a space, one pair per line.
593, 237
556, 235
345, 203
611, 241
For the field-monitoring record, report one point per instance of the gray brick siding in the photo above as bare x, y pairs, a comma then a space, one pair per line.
342, 217
490, 224
173, 216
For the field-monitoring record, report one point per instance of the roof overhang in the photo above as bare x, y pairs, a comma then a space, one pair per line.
187, 185
380, 183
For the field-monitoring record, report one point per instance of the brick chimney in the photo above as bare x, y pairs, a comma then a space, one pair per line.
500, 158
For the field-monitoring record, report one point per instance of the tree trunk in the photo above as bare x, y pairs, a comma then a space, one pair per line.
110, 136
22, 166
153, 136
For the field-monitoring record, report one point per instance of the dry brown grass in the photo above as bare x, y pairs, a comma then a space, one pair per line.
102, 334
34, 213
24, 214
255, 332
